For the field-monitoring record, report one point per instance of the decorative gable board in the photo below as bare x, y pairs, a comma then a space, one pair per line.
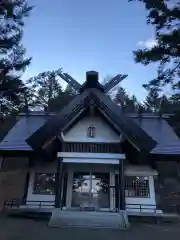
102, 131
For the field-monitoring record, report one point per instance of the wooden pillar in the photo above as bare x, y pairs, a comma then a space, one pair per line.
121, 186
26, 186
117, 191
59, 178
64, 193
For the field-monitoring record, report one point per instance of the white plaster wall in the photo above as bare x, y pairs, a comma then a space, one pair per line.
103, 132
50, 168
133, 170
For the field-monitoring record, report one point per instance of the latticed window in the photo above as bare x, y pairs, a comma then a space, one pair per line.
44, 183
91, 131
137, 186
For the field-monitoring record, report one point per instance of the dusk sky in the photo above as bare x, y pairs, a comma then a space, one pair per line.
86, 35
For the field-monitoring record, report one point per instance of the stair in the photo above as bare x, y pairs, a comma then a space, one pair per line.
89, 219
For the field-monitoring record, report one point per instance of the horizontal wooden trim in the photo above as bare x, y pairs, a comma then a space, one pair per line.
91, 155
89, 160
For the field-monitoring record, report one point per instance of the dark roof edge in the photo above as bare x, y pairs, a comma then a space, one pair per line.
37, 113
131, 115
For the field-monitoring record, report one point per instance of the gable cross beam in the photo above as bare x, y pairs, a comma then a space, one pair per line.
77, 86
70, 80
114, 81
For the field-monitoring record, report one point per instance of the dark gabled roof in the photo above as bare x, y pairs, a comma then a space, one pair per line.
159, 129
138, 137
51, 127
6, 124
23, 129
135, 134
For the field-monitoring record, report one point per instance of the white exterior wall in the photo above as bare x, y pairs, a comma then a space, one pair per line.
112, 169
129, 171
49, 168
103, 132
146, 172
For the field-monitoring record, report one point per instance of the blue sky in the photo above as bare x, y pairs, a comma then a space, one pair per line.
86, 35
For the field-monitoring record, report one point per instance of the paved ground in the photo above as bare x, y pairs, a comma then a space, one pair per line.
26, 229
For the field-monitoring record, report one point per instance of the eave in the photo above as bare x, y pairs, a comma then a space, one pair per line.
132, 132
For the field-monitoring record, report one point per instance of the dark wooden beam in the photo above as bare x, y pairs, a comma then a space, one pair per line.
26, 187
117, 192
59, 178
64, 193
121, 185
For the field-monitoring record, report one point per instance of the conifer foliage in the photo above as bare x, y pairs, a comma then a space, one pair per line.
12, 52
164, 15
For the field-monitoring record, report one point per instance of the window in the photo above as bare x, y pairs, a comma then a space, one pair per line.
137, 186
44, 183
91, 132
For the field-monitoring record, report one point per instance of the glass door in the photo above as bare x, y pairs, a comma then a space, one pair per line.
90, 190
81, 189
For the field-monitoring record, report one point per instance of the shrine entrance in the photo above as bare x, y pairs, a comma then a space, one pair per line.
90, 191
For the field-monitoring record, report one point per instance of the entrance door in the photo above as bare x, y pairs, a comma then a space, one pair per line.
91, 190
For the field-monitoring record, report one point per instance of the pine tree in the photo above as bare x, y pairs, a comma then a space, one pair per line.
12, 61
45, 88
126, 102
164, 15
152, 100
70, 90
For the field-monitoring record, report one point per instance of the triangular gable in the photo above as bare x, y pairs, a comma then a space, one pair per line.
50, 128
135, 134
77, 131
140, 139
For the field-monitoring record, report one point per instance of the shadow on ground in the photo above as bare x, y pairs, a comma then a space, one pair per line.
25, 229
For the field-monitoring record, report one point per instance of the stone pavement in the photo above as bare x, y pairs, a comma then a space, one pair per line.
26, 229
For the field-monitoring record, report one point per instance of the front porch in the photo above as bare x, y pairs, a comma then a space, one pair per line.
91, 182
89, 186
88, 219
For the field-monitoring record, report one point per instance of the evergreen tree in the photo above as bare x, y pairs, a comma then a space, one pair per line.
164, 15
152, 100
70, 90
126, 102
12, 61
45, 88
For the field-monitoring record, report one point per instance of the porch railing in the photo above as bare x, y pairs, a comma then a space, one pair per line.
140, 208
170, 208
16, 203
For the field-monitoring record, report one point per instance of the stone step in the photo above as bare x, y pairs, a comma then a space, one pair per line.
89, 219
